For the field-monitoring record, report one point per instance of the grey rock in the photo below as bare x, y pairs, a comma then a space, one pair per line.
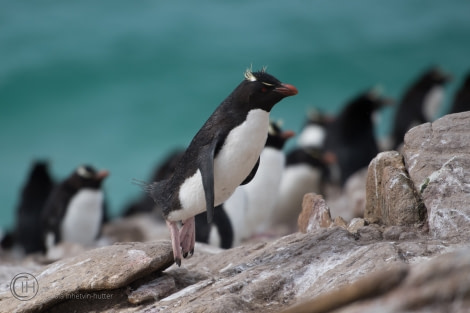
408, 235
437, 156
95, 270
261, 277
315, 213
155, 290
371, 232
438, 285
390, 195
355, 224
267, 277
393, 232
376, 284
339, 221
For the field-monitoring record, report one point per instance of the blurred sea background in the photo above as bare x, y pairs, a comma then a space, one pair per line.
119, 84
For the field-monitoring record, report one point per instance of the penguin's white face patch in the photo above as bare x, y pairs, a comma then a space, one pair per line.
267, 84
83, 172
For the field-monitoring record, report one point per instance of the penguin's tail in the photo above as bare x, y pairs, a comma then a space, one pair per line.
153, 189
145, 186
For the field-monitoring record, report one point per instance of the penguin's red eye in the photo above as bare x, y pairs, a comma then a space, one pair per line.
264, 89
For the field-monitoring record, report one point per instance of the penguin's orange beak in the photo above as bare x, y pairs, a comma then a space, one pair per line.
286, 90
102, 174
288, 134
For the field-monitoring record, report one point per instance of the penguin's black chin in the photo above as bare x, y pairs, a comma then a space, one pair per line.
286, 90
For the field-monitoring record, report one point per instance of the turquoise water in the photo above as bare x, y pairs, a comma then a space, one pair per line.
120, 83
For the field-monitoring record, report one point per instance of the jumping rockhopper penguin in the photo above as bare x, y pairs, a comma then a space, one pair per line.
223, 154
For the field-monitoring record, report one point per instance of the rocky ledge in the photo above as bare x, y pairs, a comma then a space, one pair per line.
410, 252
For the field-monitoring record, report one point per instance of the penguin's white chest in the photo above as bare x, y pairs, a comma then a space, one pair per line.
264, 188
233, 164
312, 136
432, 103
82, 221
253, 216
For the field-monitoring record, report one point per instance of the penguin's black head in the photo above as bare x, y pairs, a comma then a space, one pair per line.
371, 100
262, 90
434, 76
316, 117
86, 176
466, 83
362, 107
40, 171
276, 137
374, 99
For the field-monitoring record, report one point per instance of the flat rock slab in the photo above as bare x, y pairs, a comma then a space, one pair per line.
438, 285
268, 277
106, 268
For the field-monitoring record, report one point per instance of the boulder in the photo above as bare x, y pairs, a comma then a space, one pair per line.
437, 156
391, 198
315, 213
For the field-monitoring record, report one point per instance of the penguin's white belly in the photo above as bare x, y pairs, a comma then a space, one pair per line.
297, 180
263, 190
432, 103
312, 136
233, 164
82, 221
236, 207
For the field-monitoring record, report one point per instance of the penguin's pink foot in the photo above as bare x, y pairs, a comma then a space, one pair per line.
175, 241
188, 236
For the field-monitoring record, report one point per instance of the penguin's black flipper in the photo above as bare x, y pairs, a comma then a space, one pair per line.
252, 174
206, 166
53, 213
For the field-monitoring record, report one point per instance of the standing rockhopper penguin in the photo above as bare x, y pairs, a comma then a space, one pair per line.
420, 103
75, 210
223, 154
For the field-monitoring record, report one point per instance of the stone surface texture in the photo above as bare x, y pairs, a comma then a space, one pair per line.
437, 156
390, 195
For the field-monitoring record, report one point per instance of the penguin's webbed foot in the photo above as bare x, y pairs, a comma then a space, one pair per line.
187, 237
175, 241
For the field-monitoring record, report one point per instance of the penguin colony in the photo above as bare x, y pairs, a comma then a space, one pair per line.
234, 181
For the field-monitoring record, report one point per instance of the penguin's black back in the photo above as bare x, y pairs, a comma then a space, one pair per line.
410, 108
33, 198
351, 135
311, 156
461, 101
